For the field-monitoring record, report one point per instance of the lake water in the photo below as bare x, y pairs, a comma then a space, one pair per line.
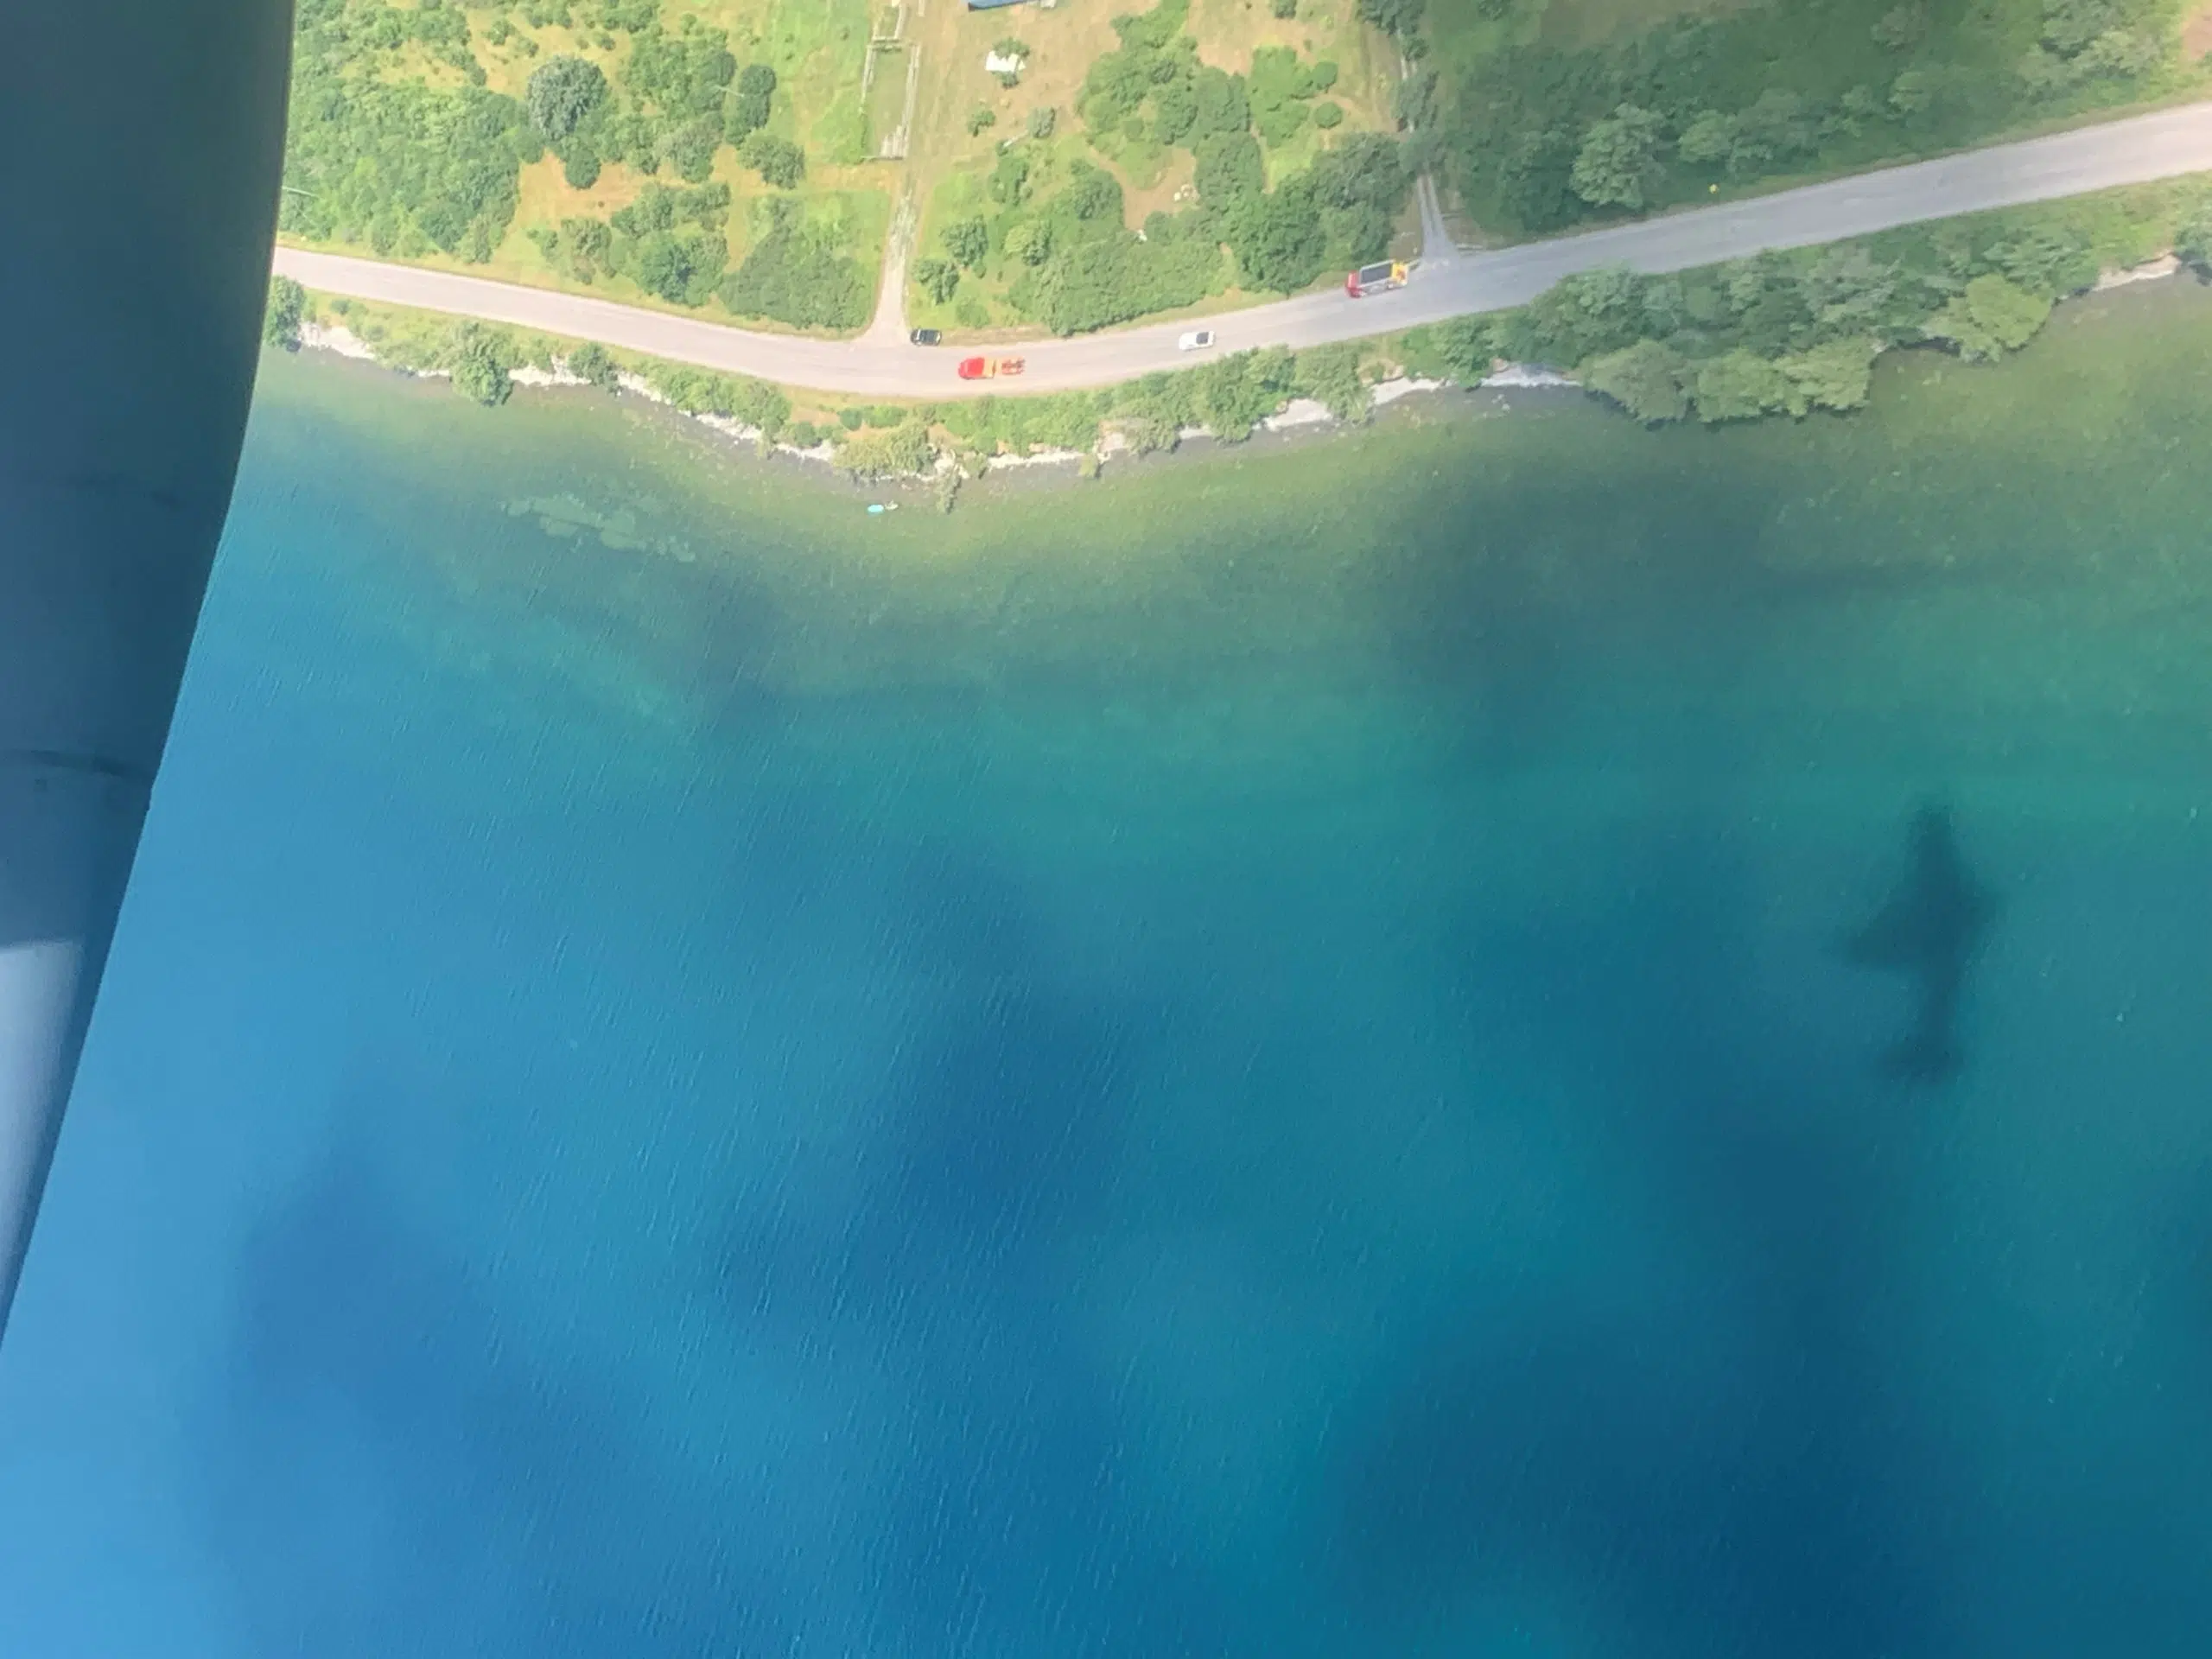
1252, 1059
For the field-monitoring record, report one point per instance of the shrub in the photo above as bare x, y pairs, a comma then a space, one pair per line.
1114, 277
481, 361
1235, 393
903, 451
1330, 374
592, 361
796, 277
280, 320
968, 241
1738, 385
777, 161
1042, 121
981, 118
1008, 184
1837, 375
1645, 380
684, 267
1031, 242
1327, 115
1457, 349
1993, 316
939, 278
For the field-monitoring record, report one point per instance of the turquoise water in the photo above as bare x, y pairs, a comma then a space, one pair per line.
1254, 1058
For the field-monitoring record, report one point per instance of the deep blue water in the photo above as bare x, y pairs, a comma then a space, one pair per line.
720, 1087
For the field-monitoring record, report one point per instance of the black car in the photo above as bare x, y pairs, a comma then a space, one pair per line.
925, 337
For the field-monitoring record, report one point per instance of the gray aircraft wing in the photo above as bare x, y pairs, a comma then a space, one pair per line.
146, 139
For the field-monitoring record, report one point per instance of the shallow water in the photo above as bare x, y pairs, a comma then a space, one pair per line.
1253, 1058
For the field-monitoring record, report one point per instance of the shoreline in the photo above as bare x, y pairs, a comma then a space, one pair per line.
1299, 415
949, 472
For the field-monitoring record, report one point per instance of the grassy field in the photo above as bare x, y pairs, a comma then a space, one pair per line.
394, 105
957, 148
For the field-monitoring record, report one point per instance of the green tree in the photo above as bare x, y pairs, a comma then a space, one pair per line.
981, 119
1327, 115
1229, 170
690, 148
1223, 102
1093, 192
796, 274
1738, 385
2041, 260
2193, 238
1837, 375
1236, 393
562, 93
1901, 27
586, 247
777, 161
481, 361
1457, 349
1330, 375
1709, 140
1536, 180
681, 266
1993, 316
968, 241
1399, 17
939, 278
579, 163
746, 110
1645, 380
1279, 241
280, 320
1031, 242
1618, 164
1008, 183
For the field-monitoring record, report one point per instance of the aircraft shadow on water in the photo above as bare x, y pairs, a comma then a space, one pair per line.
1930, 931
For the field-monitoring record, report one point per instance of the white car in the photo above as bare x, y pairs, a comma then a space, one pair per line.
1197, 341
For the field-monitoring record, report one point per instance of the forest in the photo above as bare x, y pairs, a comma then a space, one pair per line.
1538, 135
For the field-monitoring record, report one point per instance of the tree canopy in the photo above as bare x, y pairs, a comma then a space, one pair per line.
561, 94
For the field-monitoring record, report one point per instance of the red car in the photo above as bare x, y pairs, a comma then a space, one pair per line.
986, 368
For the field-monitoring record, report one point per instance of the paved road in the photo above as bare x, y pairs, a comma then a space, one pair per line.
2133, 151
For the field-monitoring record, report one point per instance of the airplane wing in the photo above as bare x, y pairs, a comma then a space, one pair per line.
149, 138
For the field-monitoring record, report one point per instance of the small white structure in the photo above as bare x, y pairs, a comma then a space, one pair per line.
995, 65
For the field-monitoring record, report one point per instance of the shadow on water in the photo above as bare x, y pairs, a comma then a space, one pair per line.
1695, 1421
1930, 931
405, 1467
937, 1263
